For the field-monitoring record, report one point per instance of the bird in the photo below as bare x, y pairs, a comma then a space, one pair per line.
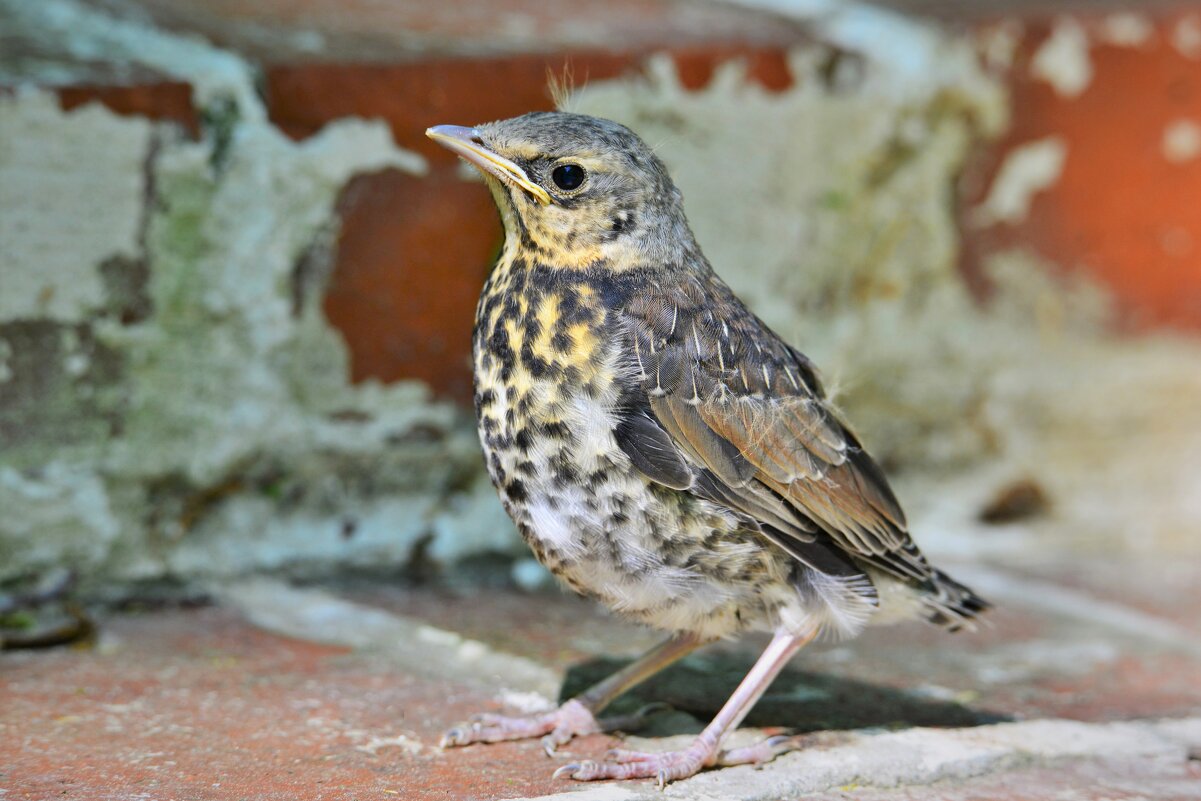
660, 449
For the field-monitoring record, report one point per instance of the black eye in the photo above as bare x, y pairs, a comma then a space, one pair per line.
568, 176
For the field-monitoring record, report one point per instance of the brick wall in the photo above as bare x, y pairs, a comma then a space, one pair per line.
261, 362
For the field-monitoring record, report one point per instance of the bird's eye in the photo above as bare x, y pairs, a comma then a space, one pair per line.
568, 176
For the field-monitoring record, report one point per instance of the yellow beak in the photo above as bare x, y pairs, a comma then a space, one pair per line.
466, 142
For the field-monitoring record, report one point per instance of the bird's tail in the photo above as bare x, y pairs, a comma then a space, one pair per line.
950, 604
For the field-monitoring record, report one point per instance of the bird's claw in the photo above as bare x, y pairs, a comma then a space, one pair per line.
622, 755
556, 727
622, 764
762, 751
552, 741
453, 737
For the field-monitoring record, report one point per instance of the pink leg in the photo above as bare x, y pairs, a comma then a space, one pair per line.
704, 751
576, 716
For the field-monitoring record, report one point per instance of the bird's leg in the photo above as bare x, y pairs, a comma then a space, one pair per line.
576, 716
705, 750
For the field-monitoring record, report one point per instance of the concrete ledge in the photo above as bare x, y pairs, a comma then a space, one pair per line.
342, 694
918, 758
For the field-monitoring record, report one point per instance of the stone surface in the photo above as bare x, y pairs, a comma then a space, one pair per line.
341, 693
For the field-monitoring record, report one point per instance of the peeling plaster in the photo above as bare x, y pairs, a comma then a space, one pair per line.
63, 213
1182, 141
830, 162
1186, 36
1127, 29
215, 431
60, 514
913, 57
231, 454
6, 353
999, 44
1027, 170
1063, 60
89, 35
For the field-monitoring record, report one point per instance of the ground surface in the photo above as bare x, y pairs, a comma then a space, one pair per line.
1084, 687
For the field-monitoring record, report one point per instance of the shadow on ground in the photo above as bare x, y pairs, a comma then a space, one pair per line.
797, 700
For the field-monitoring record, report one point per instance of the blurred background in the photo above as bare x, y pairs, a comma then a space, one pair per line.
237, 286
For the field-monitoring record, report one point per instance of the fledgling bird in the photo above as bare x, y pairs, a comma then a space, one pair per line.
661, 449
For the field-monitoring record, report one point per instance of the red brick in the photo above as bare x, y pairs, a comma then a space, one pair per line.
169, 101
410, 97
1120, 212
766, 66
198, 705
412, 256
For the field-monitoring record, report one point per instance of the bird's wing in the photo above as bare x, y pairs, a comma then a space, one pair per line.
721, 406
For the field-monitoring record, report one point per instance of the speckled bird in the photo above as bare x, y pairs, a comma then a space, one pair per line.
659, 447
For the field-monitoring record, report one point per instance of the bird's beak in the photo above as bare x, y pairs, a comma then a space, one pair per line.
467, 143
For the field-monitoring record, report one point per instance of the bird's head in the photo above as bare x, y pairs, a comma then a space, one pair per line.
576, 191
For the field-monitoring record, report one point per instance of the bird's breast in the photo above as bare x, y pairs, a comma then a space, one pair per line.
550, 373
546, 375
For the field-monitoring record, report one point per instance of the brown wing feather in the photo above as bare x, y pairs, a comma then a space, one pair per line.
741, 404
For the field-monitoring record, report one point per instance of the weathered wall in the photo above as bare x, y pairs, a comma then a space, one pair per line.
172, 403
175, 404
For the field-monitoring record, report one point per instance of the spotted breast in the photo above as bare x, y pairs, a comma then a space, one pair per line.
550, 375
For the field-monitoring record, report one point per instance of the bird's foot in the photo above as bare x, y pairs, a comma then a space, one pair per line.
557, 727
669, 766
763, 751
622, 764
